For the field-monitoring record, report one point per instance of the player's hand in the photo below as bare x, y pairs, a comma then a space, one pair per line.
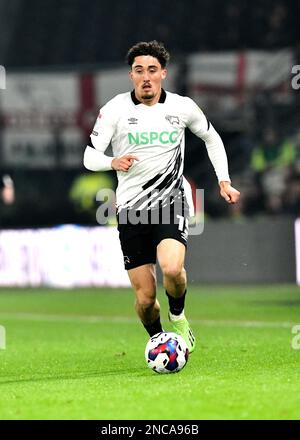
123, 163
230, 194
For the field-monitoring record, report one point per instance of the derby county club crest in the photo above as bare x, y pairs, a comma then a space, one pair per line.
174, 120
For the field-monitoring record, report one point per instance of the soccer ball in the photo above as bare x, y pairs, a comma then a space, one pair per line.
166, 352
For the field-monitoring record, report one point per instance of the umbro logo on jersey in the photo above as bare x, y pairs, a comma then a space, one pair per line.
132, 121
172, 119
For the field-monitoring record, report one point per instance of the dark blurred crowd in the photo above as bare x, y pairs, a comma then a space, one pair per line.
101, 31
265, 24
270, 181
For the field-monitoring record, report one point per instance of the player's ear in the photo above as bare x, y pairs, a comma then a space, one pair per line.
164, 73
130, 74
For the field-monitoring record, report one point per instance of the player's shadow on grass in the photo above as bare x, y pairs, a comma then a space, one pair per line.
78, 376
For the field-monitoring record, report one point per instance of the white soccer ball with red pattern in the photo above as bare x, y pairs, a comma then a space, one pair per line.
166, 352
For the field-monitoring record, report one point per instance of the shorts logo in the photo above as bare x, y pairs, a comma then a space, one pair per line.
95, 133
126, 259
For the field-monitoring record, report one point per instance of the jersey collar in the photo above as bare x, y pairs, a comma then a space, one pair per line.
161, 100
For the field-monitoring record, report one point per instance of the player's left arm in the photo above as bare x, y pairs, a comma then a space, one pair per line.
230, 194
201, 127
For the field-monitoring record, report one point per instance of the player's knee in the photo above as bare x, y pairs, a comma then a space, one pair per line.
172, 270
145, 302
145, 296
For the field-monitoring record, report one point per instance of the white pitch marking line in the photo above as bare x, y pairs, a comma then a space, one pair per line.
124, 319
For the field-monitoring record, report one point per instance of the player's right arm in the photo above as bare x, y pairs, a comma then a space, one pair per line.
123, 163
94, 158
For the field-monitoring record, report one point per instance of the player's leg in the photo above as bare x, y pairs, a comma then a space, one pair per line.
143, 281
171, 255
139, 253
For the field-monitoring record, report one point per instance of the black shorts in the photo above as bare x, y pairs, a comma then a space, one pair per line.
139, 240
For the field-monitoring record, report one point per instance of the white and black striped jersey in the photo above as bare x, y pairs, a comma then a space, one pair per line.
155, 134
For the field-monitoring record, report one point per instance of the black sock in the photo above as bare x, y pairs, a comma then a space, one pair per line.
176, 305
154, 328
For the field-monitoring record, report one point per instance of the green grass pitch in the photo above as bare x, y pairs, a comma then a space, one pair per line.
79, 354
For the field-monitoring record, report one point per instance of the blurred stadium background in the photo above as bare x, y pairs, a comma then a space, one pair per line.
63, 60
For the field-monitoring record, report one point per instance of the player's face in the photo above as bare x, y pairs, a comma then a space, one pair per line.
147, 74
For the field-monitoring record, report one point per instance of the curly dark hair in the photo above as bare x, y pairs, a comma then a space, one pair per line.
152, 48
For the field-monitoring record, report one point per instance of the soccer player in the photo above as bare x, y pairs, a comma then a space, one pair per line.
146, 130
